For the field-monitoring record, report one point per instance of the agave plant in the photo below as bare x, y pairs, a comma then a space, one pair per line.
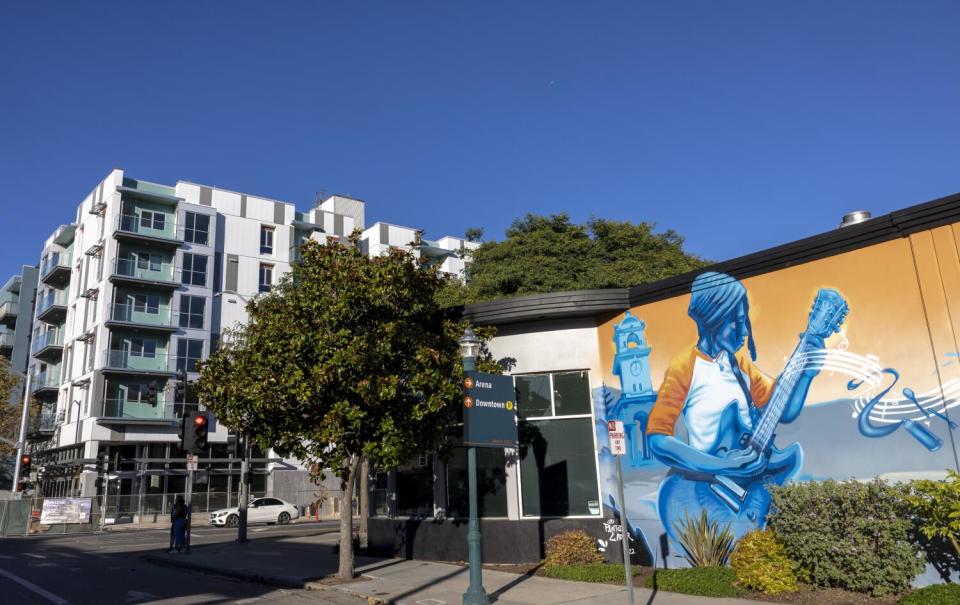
705, 543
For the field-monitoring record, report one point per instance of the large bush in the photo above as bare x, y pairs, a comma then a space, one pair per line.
761, 563
849, 535
572, 548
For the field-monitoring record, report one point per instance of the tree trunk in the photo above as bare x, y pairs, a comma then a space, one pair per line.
364, 502
346, 521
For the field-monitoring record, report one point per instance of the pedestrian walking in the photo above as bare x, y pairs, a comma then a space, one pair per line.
178, 524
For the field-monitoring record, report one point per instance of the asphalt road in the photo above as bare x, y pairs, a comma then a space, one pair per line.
108, 568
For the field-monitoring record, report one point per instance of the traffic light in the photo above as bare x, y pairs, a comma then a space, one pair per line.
152, 393
180, 389
25, 461
101, 464
196, 427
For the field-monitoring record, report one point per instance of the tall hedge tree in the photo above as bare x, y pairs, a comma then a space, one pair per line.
347, 358
553, 254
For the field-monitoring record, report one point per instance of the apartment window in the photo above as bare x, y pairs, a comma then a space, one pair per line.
196, 228
143, 347
266, 277
556, 479
191, 311
138, 392
146, 303
189, 352
149, 262
152, 220
266, 239
194, 269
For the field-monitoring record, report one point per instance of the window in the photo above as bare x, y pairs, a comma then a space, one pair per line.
266, 277
138, 392
191, 311
189, 352
556, 479
149, 262
146, 303
491, 481
266, 239
415, 488
143, 347
196, 228
194, 269
152, 220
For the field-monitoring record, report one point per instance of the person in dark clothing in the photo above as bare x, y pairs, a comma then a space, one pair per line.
178, 524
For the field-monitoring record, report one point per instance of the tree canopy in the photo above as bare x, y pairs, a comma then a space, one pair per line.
552, 254
348, 357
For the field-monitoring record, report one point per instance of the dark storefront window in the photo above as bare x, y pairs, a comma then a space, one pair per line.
415, 488
491, 480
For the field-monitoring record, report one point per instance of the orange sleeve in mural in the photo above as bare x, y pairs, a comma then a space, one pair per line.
672, 394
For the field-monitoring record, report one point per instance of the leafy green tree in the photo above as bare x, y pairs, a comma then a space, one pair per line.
10, 415
552, 254
348, 358
937, 507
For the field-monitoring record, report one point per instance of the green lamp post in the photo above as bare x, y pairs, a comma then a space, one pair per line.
475, 595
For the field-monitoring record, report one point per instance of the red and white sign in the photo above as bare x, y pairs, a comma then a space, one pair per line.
618, 439
191, 462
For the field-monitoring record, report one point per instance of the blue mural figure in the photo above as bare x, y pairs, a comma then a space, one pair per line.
730, 410
632, 364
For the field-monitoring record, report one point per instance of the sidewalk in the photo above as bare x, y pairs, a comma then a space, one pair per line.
302, 561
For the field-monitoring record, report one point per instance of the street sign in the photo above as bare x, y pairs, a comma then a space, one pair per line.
618, 439
489, 410
191, 462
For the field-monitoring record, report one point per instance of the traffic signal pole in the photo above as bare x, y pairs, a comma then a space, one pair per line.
244, 492
21, 441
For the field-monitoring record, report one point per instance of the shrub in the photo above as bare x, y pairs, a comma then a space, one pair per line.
936, 505
701, 581
704, 543
941, 594
849, 535
761, 563
606, 573
572, 548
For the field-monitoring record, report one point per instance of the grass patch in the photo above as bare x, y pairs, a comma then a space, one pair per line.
606, 573
700, 581
939, 594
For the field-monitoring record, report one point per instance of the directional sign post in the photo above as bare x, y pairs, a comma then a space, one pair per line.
489, 411
618, 447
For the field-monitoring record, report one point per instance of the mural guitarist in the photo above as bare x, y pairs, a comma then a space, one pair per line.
730, 410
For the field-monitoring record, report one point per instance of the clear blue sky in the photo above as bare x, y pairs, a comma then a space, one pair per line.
740, 124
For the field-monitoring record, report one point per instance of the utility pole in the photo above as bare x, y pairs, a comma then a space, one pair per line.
244, 489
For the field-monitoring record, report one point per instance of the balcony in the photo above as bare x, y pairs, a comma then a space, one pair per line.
144, 230
140, 317
52, 307
137, 410
8, 311
117, 361
48, 346
44, 423
7, 341
136, 272
45, 383
56, 269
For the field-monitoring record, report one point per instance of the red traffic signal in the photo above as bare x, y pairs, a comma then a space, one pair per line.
200, 419
25, 460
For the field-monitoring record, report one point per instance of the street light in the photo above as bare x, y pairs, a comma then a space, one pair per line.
475, 595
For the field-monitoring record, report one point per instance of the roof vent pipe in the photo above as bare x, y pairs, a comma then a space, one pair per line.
852, 218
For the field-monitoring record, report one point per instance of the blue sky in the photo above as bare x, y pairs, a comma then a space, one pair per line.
739, 124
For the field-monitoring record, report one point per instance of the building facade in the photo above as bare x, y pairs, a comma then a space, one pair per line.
139, 285
863, 318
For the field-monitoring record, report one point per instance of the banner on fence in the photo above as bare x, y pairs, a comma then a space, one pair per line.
65, 510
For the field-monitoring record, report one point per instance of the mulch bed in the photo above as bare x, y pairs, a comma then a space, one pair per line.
807, 595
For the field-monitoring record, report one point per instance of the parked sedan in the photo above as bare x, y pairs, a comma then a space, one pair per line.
261, 510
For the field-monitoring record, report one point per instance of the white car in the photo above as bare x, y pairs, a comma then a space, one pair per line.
261, 510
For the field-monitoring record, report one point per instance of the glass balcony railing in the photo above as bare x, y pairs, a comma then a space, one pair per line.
121, 408
144, 315
51, 298
45, 422
52, 338
138, 269
7, 339
116, 359
57, 260
150, 226
48, 379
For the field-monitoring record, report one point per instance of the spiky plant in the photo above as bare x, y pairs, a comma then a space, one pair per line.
705, 543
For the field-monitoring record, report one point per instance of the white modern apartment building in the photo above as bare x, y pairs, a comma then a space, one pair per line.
138, 285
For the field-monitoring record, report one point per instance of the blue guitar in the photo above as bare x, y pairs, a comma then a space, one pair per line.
742, 500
